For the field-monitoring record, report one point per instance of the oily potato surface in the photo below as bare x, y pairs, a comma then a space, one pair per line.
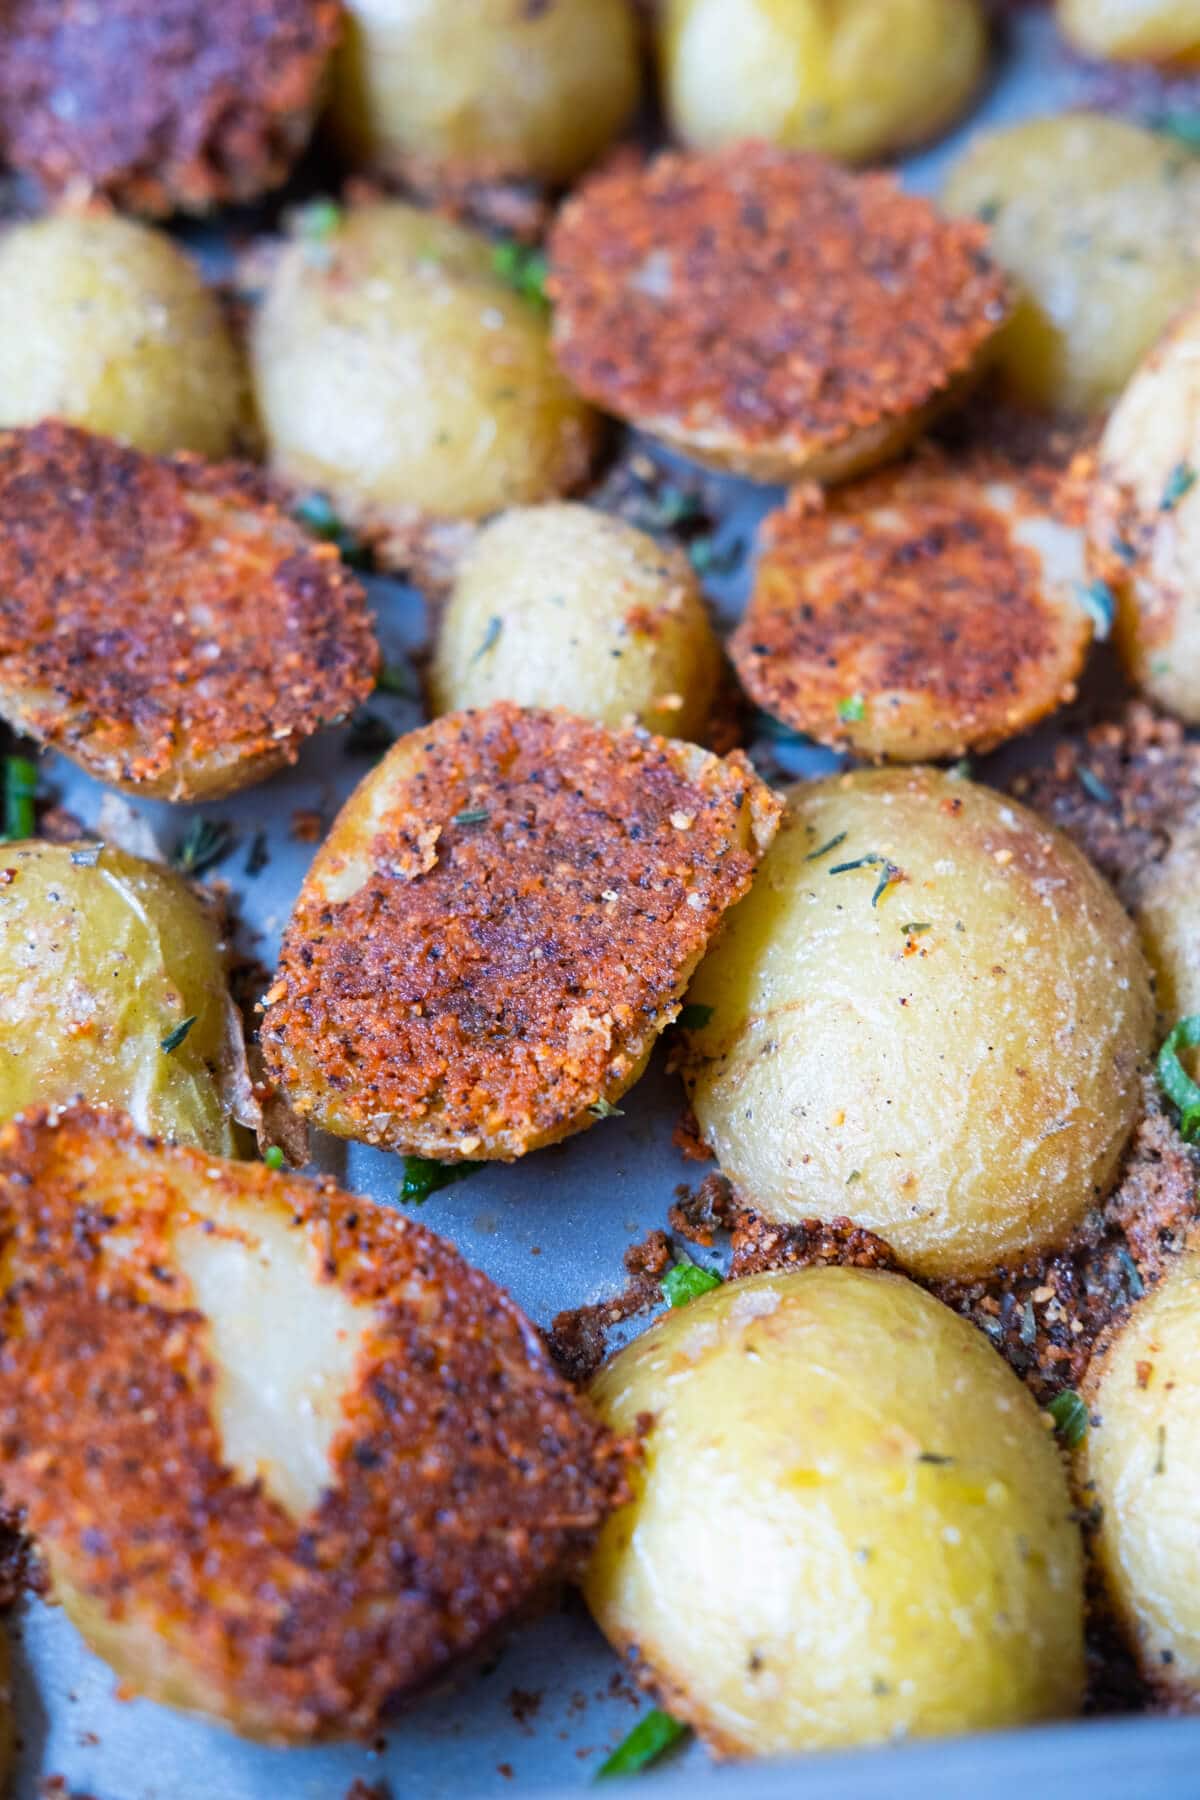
1134, 30
102, 957
397, 372
1166, 907
484, 89
1145, 520
849, 1525
1140, 1462
354, 1459
931, 1015
857, 79
563, 605
106, 323
1099, 222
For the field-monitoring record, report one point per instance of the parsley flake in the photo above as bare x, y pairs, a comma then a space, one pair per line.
816, 855
205, 842
524, 268
651, 1737
1070, 1417
852, 709
273, 1156
1097, 598
686, 1282
889, 873
604, 1109
1174, 1079
1180, 481
174, 1038
423, 1177
489, 640
20, 792
1098, 789
473, 815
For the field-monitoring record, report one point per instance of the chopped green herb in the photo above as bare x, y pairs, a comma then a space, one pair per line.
1097, 598
1160, 1460
1098, 789
524, 268
852, 709
474, 815
962, 770
205, 842
854, 1175
20, 791
650, 1738
316, 513
174, 1038
687, 1281
931, 1456
317, 221
397, 678
604, 1109
1070, 1417
889, 873
671, 507
1174, 1079
915, 927
694, 1017
816, 855
708, 560
273, 1157
489, 640
87, 856
1123, 551
1180, 481
423, 1177
369, 735
1136, 1285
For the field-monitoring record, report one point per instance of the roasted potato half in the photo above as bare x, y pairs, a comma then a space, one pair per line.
1099, 222
923, 612
1145, 520
768, 312
112, 986
500, 925
1133, 30
163, 622
850, 1524
286, 1456
106, 323
930, 1015
562, 605
1140, 1465
1166, 907
484, 89
397, 372
857, 79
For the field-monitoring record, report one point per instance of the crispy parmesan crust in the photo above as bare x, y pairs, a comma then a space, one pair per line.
768, 311
466, 1471
162, 104
501, 924
163, 621
903, 616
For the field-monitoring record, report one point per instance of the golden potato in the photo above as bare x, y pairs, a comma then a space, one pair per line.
103, 960
563, 605
106, 323
1144, 530
851, 1524
1100, 222
1134, 30
1140, 1462
857, 79
1166, 908
396, 371
484, 88
930, 1014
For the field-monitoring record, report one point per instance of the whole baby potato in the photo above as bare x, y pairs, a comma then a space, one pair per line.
931, 1014
397, 372
106, 323
104, 959
1166, 906
1099, 220
563, 605
850, 1524
1134, 30
484, 88
1140, 1462
1144, 527
856, 79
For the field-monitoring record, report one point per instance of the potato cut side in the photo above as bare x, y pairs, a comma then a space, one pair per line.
501, 923
919, 614
163, 622
766, 311
286, 1455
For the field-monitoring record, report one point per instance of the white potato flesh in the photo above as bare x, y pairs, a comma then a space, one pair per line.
850, 1524
1134, 30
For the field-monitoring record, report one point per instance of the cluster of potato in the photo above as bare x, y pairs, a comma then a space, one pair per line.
909, 1000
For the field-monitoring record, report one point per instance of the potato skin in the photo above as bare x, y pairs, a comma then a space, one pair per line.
1137, 30
850, 1524
99, 962
484, 88
856, 79
955, 1066
1167, 911
1141, 1462
593, 614
398, 373
1097, 219
1144, 528
105, 322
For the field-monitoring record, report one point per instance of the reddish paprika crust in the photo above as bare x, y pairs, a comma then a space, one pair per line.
466, 1472
501, 923
162, 104
768, 311
163, 621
